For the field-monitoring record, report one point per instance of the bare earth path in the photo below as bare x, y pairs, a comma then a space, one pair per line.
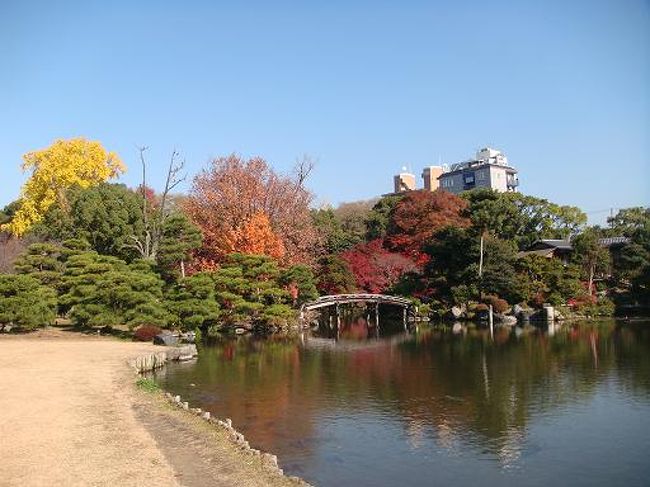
70, 415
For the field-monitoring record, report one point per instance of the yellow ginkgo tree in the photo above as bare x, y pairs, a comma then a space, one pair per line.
66, 163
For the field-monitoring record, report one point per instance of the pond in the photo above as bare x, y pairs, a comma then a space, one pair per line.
566, 405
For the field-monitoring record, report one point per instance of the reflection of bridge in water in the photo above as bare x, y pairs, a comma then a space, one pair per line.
335, 301
343, 345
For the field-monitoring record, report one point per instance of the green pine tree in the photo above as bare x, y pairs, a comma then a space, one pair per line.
25, 302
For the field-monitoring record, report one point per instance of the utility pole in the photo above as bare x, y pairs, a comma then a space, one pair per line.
480, 262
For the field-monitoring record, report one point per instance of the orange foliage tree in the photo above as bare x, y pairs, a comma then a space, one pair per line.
255, 236
234, 201
417, 216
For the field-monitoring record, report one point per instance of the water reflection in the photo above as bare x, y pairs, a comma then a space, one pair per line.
430, 398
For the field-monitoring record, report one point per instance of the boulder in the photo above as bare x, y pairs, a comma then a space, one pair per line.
166, 338
456, 312
184, 352
505, 319
188, 337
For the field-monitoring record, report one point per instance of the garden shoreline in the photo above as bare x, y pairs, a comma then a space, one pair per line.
74, 416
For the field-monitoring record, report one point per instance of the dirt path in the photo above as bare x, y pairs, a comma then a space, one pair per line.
70, 415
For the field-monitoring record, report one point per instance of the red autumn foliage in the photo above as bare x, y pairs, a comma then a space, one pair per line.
232, 190
376, 269
146, 333
498, 305
149, 194
417, 216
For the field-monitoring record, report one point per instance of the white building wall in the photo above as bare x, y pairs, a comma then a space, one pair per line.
498, 180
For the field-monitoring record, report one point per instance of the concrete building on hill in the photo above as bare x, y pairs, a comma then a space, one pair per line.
430, 177
489, 169
404, 181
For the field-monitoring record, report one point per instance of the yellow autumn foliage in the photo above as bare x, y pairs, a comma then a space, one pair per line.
66, 163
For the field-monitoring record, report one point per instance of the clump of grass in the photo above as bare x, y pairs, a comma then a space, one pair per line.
147, 384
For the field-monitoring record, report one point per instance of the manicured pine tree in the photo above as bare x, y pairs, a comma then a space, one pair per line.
25, 302
42, 261
100, 290
248, 291
192, 302
180, 237
300, 282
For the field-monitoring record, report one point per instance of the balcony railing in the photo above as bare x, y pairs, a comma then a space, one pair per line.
512, 182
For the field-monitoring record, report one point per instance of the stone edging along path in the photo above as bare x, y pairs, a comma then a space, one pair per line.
156, 360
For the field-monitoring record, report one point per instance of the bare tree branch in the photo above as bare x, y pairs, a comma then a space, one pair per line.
148, 243
303, 168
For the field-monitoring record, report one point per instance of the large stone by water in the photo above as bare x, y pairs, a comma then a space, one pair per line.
167, 339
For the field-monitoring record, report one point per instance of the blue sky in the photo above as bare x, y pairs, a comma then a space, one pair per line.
563, 88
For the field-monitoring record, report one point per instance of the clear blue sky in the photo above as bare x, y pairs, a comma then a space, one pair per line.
562, 87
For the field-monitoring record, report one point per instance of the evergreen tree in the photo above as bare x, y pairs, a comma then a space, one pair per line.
180, 237
547, 280
379, 217
107, 216
25, 302
192, 302
335, 276
520, 218
332, 236
248, 291
43, 262
101, 290
593, 258
299, 280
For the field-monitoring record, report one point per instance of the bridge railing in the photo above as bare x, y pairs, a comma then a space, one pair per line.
356, 298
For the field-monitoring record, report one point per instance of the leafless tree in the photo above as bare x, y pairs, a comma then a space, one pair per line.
148, 243
303, 169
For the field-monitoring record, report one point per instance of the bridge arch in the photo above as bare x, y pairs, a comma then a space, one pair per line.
368, 298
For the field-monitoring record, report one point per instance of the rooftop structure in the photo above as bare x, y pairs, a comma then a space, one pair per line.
562, 248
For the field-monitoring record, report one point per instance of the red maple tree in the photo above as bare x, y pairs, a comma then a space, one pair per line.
376, 269
417, 216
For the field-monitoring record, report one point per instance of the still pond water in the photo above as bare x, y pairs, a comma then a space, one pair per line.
533, 406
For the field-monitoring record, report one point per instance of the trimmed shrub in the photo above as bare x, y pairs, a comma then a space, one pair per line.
146, 333
498, 305
25, 303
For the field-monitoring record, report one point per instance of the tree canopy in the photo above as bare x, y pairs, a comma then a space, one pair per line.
417, 216
225, 197
25, 302
521, 218
54, 170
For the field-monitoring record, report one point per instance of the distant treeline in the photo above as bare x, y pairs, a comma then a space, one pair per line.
245, 247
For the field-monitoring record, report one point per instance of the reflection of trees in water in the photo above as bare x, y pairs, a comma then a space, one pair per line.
455, 390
